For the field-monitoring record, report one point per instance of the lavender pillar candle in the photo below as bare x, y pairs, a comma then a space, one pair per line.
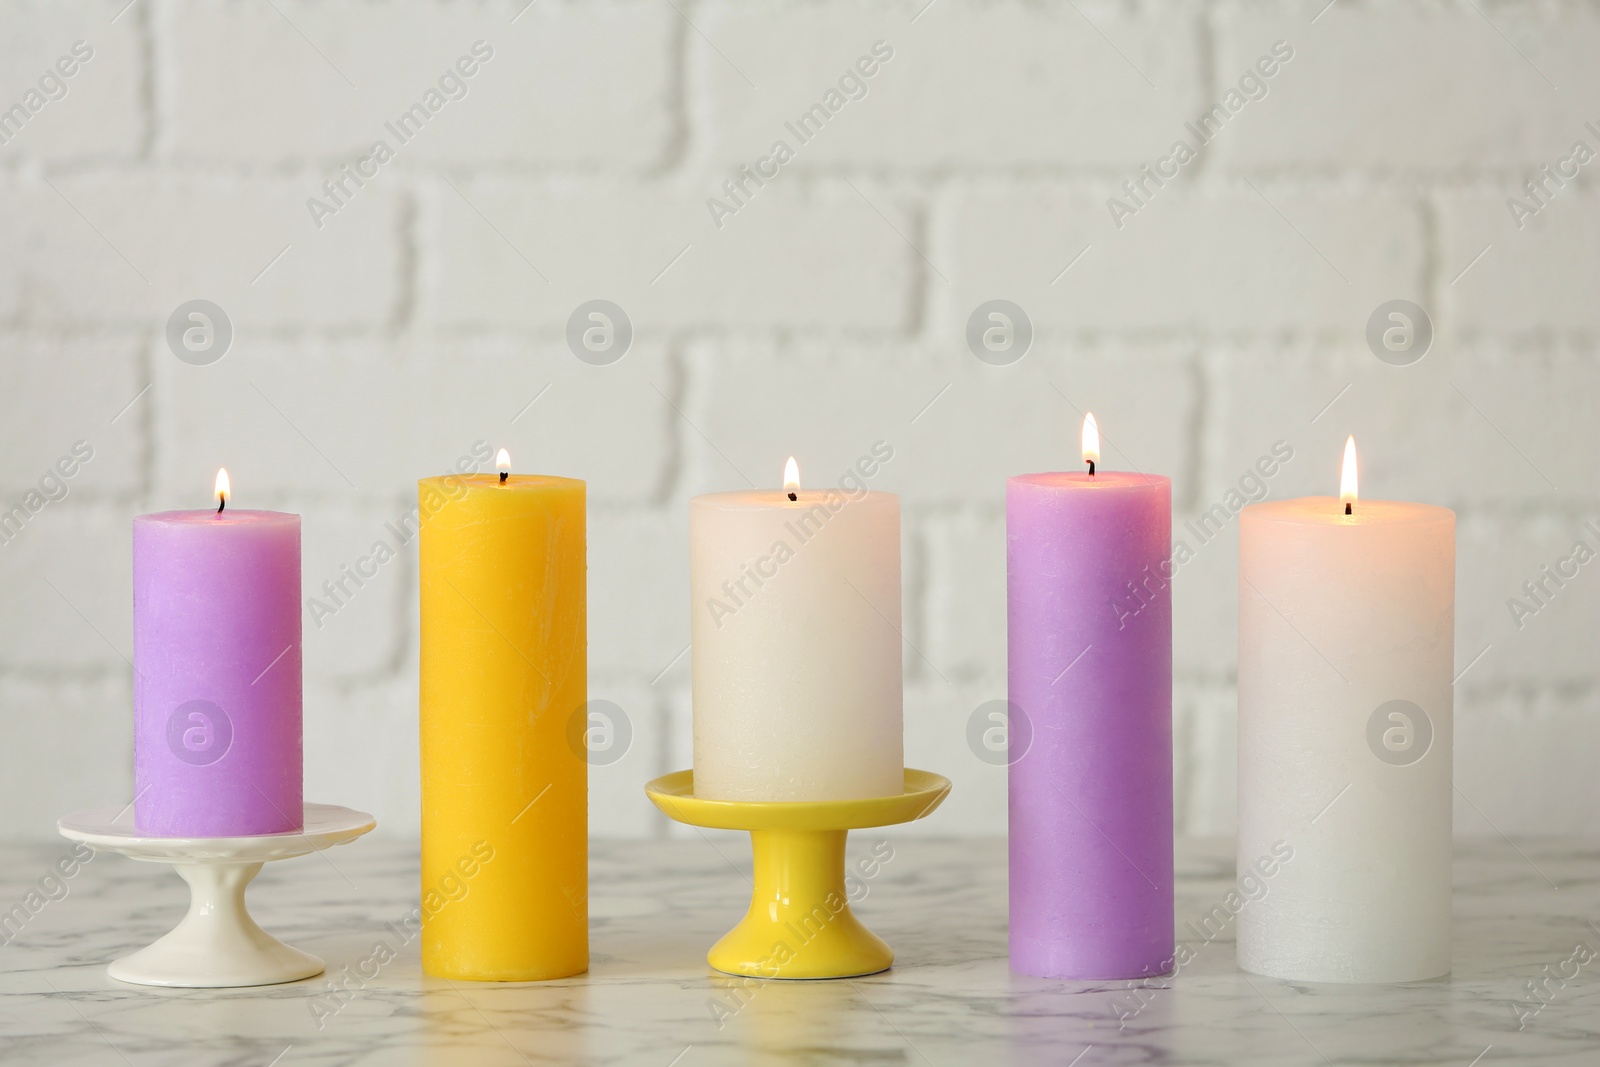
216, 652
1091, 774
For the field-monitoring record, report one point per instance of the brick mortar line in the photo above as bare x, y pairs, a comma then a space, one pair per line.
1098, 180
1512, 343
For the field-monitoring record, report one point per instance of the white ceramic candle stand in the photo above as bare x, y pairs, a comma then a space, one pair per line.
217, 944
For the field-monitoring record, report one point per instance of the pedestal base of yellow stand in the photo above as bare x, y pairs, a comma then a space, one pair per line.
799, 924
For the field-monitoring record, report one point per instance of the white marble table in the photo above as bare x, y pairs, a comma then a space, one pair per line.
650, 999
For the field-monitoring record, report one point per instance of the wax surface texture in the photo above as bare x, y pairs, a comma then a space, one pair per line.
1090, 662
217, 682
504, 683
1346, 643
795, 617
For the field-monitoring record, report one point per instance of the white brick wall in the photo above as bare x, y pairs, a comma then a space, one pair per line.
826, 313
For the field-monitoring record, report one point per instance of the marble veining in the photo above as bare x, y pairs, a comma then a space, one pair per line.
649, 998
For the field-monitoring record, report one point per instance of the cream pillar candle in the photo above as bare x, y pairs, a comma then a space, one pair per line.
1346, 638
796, 629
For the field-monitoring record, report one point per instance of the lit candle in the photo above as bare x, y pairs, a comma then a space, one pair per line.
217, 685
1346, 641
1090, 650
504, 671
795, 619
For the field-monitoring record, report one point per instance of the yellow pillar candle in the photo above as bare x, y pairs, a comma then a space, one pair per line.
504, 669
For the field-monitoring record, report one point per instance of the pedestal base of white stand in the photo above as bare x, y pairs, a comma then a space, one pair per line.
217, 944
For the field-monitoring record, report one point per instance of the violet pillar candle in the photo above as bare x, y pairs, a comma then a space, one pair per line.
1090, 651
216, 656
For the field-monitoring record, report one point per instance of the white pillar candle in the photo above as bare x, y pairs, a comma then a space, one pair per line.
796, 629
1346, 638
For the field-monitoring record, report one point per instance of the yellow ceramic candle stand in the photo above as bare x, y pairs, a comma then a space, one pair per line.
799, 924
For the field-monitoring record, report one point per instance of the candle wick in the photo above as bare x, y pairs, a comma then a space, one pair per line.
1347, 507
792, 496
503, 476
221, 503
1091, 468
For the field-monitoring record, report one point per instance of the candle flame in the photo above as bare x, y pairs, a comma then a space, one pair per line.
791, 477
1091, 439
1347, 476
223, 490
502, 461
